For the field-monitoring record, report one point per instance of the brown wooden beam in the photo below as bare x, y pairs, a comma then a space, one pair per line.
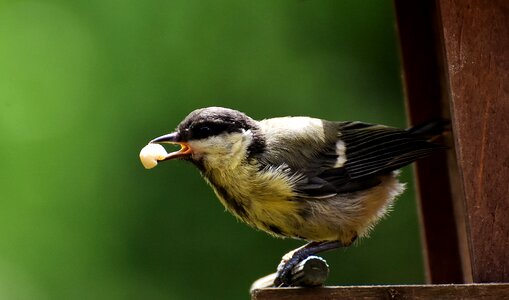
476, 46
441, 227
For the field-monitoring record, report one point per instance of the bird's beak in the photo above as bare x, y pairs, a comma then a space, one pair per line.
173, 138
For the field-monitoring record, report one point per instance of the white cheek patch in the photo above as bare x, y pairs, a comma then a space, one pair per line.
201, 146
224, 144
240, 141
341, 152
236, 147
222, 151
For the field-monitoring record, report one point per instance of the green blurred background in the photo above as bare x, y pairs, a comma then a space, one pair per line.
85, 84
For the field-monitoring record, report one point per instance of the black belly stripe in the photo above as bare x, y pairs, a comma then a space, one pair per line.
231, 204
276, 229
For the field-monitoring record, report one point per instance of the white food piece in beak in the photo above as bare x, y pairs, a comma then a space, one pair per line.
151, 154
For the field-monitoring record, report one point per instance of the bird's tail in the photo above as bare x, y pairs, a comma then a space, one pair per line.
431, 129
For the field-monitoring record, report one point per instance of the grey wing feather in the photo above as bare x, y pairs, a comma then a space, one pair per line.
371, 151
374, 149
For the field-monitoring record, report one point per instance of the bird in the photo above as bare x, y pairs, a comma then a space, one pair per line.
324, 182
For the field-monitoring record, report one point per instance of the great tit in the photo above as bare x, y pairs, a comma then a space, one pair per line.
305, 178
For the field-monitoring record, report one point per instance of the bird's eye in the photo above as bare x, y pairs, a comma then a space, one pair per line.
204, 130
201, 131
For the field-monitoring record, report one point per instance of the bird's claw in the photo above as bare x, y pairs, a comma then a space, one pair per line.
283, 277
284, 269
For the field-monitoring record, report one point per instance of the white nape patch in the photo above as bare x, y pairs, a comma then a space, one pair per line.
288, 128
301, 123
294, 123
341, 152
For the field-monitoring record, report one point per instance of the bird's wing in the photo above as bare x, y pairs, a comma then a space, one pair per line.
355, 157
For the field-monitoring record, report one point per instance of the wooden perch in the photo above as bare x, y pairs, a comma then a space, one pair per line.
419, 292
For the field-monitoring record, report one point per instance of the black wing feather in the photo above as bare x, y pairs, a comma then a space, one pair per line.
371, 151
376, 150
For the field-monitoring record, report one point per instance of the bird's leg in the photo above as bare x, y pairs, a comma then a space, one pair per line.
284, 271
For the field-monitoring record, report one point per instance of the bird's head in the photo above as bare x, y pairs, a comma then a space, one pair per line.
212, 137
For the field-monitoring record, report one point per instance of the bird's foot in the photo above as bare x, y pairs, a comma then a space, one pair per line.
285, 267
293, 258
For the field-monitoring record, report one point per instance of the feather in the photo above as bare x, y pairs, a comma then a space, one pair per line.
369, 151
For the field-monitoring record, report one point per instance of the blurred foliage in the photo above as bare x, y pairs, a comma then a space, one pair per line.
85, 84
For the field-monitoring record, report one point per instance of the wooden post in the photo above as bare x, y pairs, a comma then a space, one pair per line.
476, 54
425, 100
455, 56
456, 62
